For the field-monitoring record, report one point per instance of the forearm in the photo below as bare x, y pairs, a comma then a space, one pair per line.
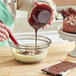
24, 4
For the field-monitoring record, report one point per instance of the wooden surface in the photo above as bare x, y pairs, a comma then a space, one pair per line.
57, 52
65, 2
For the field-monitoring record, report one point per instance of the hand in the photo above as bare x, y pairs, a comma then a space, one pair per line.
53, 7
4, 35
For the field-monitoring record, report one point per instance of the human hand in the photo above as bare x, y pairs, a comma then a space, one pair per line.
53, 7
4, 35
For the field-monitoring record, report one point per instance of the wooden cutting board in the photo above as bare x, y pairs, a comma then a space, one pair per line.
56, 52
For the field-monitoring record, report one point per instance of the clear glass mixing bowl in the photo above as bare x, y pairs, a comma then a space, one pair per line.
27, 52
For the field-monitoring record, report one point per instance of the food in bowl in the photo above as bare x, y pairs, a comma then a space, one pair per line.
27, 51
30, 56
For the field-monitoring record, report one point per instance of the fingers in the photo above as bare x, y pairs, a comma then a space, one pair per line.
2, 37
5, 27
4, 32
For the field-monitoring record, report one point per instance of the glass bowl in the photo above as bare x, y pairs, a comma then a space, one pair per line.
27, 51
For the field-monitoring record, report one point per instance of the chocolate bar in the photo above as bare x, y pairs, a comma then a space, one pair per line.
59, 69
